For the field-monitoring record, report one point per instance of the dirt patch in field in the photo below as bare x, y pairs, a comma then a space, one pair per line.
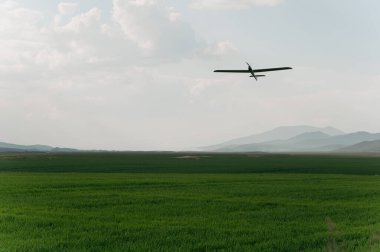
191, 157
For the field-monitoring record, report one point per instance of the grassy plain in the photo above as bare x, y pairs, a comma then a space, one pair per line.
157, 201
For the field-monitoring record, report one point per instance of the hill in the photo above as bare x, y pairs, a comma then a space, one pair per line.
8, 147
367, 146
280, 133
306, 142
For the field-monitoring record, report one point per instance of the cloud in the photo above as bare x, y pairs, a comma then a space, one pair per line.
19, 36
156, 30
219, 49
17, 20
231, 4
139, 32
84, 21
77, 74
66, 8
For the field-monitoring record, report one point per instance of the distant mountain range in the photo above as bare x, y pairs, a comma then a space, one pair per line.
367, 146
282, 139
302, 139
7, 147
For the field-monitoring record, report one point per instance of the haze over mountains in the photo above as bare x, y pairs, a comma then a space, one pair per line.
367, 146
282, 139
302, 139
8, 147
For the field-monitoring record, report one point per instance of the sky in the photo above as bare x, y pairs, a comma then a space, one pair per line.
138, 74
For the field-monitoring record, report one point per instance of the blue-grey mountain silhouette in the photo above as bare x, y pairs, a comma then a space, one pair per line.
280, 133
367, 146
316, 141
8, 147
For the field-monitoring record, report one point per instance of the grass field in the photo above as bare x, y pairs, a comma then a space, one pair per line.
158, 201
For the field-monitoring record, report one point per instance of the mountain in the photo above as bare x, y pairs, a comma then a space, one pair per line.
306, 142
309, 136
367, 146
8, 147
2, 150
280, 133
26, 147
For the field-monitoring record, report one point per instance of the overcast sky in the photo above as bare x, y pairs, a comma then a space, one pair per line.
138, 75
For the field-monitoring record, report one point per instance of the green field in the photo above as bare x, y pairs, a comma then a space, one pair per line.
217, 202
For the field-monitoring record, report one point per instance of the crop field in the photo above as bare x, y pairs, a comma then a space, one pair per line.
189, 202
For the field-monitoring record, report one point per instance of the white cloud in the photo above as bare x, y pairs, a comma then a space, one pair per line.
157, 30
8, 4
84, 21
222, 48
231, 4
174, 15
17, 20
66, 8
141, 31
19, 36
74, 76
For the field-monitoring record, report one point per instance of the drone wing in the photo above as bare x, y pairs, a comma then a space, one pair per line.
271, 69
231, 71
